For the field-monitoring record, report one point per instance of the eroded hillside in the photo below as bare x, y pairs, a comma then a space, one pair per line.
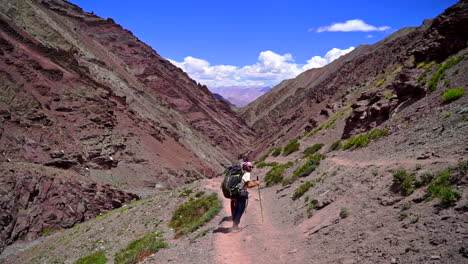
82, 94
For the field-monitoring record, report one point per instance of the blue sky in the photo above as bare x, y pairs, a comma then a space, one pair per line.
255, 43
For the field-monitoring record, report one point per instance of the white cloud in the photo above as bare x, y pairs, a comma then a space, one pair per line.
270, 69
352, 25
369, 36
333, 54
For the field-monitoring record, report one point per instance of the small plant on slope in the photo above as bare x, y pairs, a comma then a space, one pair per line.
95, 258
312, 149
344, 212
191, 215
291, 147
405, 182
362, 140
276, 152
441, 187
141, 248
311, 164
453, 94
440, 74
275, 174
266, 164
302, 189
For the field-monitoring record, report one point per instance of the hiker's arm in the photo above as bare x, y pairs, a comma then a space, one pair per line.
251, 185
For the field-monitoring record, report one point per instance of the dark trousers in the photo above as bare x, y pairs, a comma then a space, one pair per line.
239, 208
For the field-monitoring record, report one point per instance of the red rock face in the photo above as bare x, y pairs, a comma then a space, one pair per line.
387, 66
36, 200
82, 94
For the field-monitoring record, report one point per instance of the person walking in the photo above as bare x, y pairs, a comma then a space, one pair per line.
238, 204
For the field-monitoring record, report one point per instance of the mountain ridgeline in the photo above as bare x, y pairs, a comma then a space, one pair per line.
387, 74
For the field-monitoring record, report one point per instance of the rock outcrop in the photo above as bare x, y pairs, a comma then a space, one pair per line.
36, 200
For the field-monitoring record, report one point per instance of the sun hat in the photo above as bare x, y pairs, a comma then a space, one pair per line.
246, 165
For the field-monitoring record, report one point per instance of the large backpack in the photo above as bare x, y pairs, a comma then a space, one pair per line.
230, 184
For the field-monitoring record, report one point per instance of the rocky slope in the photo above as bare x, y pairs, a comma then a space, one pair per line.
377, 80
81, 94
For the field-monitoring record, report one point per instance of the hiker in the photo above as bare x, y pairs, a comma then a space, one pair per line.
238, 204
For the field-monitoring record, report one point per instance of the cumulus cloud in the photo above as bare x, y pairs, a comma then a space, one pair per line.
352, 25
270, 69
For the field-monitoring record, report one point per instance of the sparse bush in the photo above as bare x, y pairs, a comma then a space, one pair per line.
415, 219
344, 212
310, 207
191, 215
405, 181
441, 187
95, 258
440, 74
453, 94
302, 189
406, 206
291, 147
199, 194
266, 164
311, 164
141, 248
379, 83
312, 149
403, 215
276, 152
275, 174
48, 231
362, 140
336, 145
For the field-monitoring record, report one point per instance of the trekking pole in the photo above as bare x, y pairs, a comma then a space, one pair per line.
260, 199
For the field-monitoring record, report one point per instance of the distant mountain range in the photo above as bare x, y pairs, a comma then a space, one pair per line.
240, 96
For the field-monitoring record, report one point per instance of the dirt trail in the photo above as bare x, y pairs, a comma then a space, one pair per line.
257, 242
354, 163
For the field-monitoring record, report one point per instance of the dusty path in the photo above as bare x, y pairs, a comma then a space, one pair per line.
354, 163
257, 242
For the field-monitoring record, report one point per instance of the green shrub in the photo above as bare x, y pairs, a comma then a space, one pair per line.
312, 149
453, 94
440, 74
336, 145
275, 174
199, 194
441, 187
403, 215
266, 164
405, 181
291, 147
362, 140
141, 248
310, 207
95, 258
191, 215
302, 189
311, 164
276, 152
379, 83
48, 231
344, 212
